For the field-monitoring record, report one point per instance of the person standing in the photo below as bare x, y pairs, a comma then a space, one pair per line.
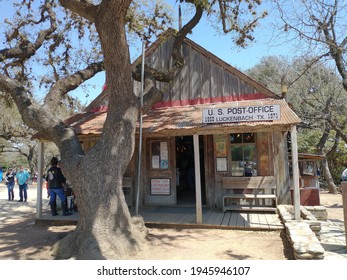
22, 180
9, 178
56, 181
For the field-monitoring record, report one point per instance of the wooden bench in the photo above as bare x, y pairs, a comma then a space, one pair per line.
249, 193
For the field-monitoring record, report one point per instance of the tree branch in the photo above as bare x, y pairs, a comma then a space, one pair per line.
80, 7
339, 129
309, 65
26, 49
152, 74
39, 117
63, 86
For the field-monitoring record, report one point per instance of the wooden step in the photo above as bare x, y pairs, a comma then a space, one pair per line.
250, 196
257, 208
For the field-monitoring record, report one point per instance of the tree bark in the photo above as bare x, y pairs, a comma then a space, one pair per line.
106, 229
325, 163
327, 175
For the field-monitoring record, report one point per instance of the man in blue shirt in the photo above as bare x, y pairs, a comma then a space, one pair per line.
22, 177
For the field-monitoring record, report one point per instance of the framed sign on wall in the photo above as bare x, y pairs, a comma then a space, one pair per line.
160, 186
222, 164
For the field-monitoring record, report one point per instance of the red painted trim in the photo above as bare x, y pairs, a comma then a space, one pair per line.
187, 102
175, 103
100, 109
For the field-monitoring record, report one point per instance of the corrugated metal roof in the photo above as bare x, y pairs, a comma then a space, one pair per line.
88, 123
186, 120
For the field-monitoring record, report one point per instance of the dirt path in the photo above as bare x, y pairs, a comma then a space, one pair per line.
21, 239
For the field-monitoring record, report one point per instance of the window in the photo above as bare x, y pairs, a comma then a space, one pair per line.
243, 155
159, 155
306, 168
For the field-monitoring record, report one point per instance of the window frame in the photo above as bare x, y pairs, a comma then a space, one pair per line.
242, 144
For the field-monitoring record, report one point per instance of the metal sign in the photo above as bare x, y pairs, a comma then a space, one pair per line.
242, 114
160, 187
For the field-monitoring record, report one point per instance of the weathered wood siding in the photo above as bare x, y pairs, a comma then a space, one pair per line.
202, 80
209, 171
149, 174
281, 167
264, 143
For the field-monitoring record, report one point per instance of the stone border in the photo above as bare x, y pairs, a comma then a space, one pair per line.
304, 235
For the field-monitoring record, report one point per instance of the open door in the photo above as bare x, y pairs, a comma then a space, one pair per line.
185, 174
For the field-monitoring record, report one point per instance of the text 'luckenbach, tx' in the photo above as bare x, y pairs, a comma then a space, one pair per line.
241, 114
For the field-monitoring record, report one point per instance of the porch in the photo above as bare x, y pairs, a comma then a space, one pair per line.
175, 217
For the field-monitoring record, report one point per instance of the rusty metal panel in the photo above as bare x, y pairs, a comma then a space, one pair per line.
188, 119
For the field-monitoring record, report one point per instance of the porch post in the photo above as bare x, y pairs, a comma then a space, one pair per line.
197, 179
344, 205
296, 192
39, 180
137, 201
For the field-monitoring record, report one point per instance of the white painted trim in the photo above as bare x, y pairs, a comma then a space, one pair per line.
197, 179
295, 166
39, 180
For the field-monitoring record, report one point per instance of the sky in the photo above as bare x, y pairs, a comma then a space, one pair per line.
265, 44
243, 59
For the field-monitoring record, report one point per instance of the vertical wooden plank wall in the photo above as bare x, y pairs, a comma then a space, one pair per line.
169, 173
195, 77
281, 167
184, 77
209, 171
201, 79
263, 153
218, 176
205, 88
216, 81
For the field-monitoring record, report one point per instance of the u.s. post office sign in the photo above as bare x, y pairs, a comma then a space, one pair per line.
242, 114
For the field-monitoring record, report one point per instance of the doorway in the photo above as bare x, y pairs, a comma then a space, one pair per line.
185, 170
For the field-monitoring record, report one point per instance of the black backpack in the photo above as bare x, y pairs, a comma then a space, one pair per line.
52, 178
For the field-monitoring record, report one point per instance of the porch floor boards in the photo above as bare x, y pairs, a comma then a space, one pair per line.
186, 217
181, 217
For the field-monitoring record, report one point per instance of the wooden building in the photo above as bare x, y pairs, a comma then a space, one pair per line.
218, 139
309, 178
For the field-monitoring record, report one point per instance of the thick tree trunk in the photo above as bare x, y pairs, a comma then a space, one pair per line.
327, 175
105, 229
325, 163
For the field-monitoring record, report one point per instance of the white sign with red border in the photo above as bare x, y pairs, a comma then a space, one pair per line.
242, 114
160, 187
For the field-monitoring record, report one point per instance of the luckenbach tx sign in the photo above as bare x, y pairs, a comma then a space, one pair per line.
241, 114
